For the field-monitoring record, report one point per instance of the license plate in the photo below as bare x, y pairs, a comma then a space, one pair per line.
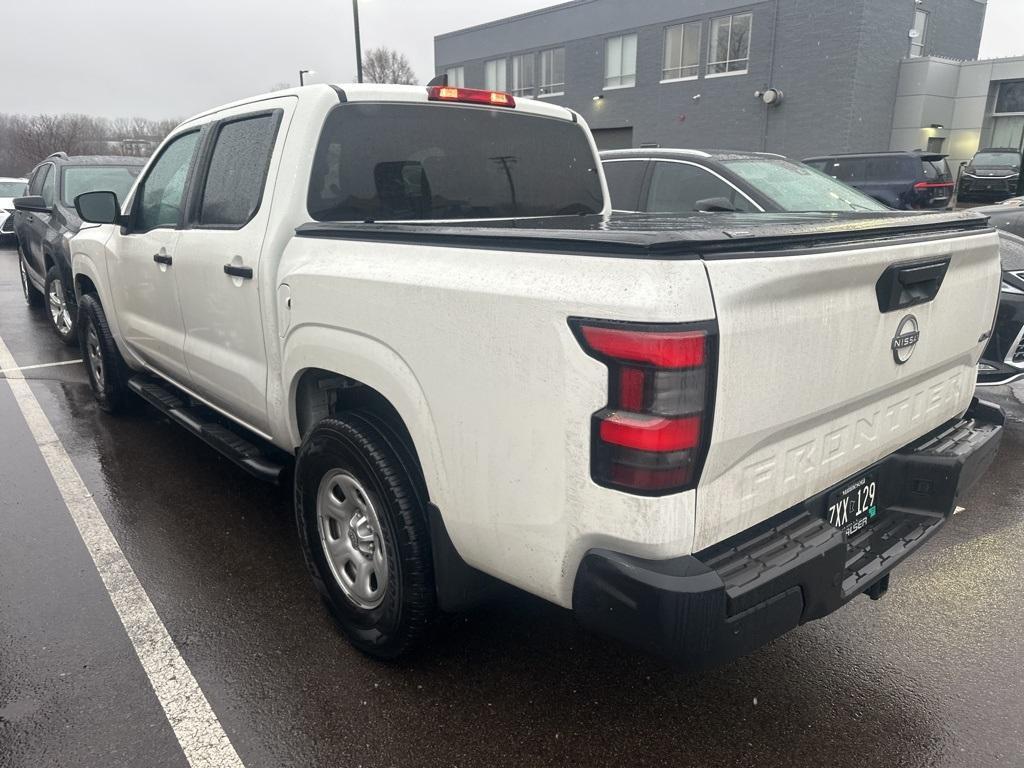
853, 505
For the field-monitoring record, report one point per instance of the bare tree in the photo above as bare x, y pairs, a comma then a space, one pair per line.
386, 65
27, 139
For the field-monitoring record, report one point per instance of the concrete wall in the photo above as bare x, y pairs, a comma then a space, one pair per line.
957, 95
836, 61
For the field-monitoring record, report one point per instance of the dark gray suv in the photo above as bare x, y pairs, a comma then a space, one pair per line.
45, 220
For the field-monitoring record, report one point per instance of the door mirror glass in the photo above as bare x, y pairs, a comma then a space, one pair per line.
31, 204
98, 207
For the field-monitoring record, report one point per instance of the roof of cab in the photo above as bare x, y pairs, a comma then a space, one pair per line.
377, 92
670, 152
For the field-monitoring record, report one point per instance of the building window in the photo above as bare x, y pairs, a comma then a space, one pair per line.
495, 75
620, 62
919, 33
682, 51
522, 75
456, 76
1010, 100
935, 144
729, 49
552, 72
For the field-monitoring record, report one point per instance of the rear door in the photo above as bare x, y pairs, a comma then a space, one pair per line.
32, 225
217, 265
810, 389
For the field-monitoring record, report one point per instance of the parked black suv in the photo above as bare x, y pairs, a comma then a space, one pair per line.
991, 176
903, 180
45, 220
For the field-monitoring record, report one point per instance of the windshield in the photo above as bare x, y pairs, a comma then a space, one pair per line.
997, 160
98, 178
799, 188
378, 162
12, 188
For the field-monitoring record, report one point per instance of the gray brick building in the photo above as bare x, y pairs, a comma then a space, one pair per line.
685, 72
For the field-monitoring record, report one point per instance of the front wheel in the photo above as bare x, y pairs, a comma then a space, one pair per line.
63, 311
362, 520
108, 373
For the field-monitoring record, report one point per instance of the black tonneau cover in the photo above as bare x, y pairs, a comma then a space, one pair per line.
640, 235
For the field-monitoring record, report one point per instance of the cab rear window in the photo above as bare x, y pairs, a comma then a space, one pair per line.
379, 162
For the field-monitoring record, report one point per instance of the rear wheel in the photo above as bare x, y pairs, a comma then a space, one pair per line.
363, 527
32, 295
108, 373
62, 309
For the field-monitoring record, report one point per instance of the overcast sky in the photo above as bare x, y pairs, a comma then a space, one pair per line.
157, 58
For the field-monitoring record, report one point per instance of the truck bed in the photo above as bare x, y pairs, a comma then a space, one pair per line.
661, 236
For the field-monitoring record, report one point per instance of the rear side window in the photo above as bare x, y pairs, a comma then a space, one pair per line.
680, 187
378, 162
624, 178
936, 170
238, 171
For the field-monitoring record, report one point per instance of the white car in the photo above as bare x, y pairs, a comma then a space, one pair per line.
415, 304
10, 188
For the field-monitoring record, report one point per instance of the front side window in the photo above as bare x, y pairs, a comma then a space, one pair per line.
78, 180
620, 62
552, 72
729, 48
797, 187
920, 31
522, 75
682, 51
162, 192
682, 188
12, 188
456, 76
49, 185
238, 171
496, 75
381, 162
35, 184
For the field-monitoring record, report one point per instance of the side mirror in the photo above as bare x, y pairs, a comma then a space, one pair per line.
715, 205
31, 204
98, 207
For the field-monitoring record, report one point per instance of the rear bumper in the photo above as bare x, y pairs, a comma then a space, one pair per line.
708, 608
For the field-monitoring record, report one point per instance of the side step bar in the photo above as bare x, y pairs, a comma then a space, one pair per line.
221, 438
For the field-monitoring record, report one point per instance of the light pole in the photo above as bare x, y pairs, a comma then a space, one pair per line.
359, 45
303, 73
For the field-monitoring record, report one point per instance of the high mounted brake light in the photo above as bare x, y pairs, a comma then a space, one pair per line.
470, 96
652, 436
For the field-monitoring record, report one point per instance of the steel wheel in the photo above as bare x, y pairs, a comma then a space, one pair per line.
95, 356
58, 307
350, 533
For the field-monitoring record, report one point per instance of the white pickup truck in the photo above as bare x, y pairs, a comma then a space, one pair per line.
695, 432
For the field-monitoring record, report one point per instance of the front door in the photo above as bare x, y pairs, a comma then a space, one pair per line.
217, 264
31, 226
142, 278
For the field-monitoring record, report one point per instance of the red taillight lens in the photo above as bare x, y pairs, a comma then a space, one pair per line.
470, 96
934, 185
651, 438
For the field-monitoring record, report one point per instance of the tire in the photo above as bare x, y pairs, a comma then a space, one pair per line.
348, 462
60, 308
32, 295
108, 373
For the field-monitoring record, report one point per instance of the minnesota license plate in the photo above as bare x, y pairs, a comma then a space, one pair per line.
853, 505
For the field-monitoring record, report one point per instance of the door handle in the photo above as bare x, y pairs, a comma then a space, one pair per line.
243, 272
162, 258
907, 285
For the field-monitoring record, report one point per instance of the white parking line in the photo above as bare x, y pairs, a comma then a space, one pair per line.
16, 368
196, 727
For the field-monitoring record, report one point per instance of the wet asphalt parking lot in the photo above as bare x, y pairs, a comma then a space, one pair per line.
932, 675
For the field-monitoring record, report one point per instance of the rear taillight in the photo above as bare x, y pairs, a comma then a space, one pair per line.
934, 185
652, 436
470, 96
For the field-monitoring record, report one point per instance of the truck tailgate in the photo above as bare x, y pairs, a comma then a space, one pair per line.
810, 388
